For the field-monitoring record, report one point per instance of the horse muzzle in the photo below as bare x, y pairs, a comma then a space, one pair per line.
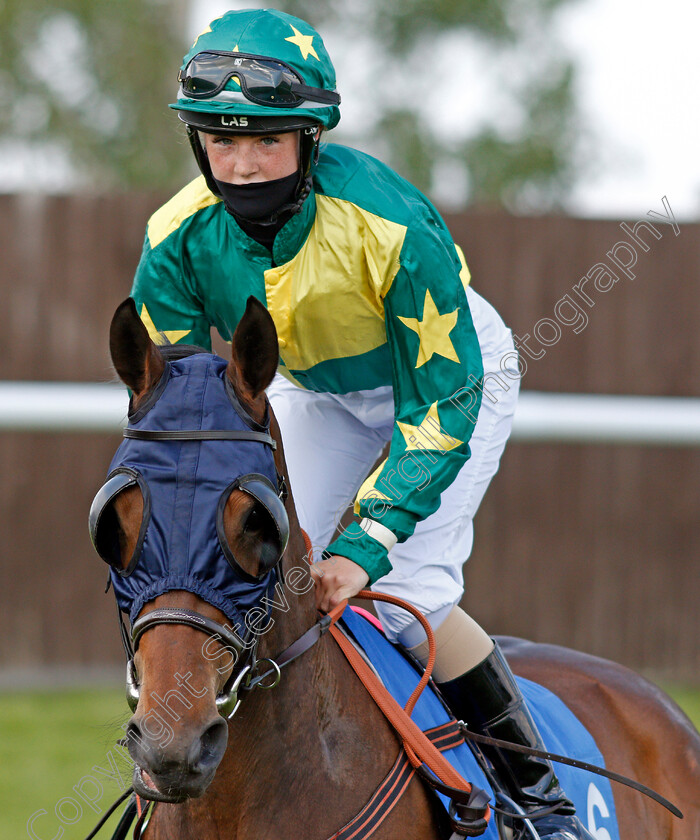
170, 766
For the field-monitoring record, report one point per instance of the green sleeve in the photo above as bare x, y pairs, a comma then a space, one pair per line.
437, 374
165, 298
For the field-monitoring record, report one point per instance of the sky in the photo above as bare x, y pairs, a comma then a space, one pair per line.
639, 68
639, 73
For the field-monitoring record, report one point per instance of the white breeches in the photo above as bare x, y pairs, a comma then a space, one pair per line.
332, 441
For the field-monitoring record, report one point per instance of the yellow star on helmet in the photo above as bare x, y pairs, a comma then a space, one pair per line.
162, 336
429, 434
433, 331
304, 42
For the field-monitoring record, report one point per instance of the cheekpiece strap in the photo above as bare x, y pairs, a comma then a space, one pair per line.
126, 639
199, 434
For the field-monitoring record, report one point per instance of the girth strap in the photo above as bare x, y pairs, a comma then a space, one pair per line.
387, 795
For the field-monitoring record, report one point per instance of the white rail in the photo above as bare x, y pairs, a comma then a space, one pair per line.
541, 417
595, 418
62, 407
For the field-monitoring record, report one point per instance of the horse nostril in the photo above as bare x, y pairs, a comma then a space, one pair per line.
208, 750
133, 738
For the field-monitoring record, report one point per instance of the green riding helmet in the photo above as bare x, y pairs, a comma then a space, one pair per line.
255, 69
253, 72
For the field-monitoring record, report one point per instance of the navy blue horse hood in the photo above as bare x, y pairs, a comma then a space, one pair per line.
185, 485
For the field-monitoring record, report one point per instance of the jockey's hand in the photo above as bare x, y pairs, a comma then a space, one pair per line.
337, 578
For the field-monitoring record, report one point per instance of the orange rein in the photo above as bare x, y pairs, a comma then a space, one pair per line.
419, 749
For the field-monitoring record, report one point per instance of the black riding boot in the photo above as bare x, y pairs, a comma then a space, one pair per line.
488, 700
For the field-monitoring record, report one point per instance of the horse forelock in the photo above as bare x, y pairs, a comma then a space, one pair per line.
174, 352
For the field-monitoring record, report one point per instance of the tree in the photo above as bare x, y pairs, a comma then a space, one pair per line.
527, 148
94, 77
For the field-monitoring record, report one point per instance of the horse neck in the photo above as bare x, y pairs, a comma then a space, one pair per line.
291, 722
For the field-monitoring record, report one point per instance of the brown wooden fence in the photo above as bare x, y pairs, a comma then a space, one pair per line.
590, 546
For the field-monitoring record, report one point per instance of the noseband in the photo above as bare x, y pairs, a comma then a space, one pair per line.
227, 701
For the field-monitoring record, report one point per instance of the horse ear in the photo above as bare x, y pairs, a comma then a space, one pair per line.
255, 351
135, 357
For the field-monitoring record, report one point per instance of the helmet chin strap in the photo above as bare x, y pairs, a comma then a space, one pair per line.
202, 160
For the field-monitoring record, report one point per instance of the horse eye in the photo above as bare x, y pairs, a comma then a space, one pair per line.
253, 533
116, 543
260, 525
255, 521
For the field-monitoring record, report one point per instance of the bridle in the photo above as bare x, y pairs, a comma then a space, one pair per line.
227, 701
246, 676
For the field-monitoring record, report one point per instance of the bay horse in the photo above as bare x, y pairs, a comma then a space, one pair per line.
302, 759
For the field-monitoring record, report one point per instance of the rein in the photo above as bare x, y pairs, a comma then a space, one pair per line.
572, 762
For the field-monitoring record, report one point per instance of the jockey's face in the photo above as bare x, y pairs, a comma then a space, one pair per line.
250, 159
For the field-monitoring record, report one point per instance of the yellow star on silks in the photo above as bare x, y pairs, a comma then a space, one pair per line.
304, 42
368, 491
433, 330
162, 337
429, 435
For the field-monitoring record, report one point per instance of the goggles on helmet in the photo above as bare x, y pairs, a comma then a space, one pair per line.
262, 80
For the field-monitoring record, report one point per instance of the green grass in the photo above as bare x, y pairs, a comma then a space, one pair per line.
50, 743
687, 698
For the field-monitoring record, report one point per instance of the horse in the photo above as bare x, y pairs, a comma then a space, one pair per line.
303, 757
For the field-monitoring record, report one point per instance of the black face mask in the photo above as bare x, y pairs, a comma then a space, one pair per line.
261, 202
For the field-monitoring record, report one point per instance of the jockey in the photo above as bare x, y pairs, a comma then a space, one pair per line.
382, 341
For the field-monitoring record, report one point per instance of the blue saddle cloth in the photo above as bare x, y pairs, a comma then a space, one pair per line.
561, 731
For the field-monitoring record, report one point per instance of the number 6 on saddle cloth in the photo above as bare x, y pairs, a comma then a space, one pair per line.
207, 447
